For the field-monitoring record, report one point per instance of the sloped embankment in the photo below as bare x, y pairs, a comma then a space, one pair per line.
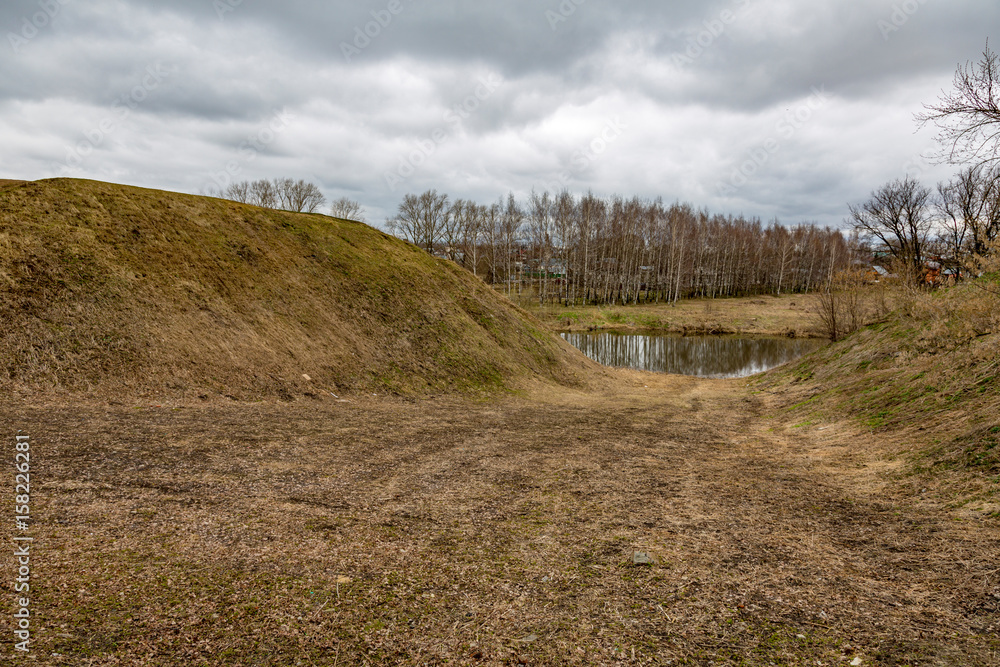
927, 380
114, 288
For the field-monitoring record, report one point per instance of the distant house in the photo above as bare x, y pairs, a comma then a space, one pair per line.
951, 276
932, 273
876, 273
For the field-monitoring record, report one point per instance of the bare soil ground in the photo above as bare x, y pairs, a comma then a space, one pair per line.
448, 531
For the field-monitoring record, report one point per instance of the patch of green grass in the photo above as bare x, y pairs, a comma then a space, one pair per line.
808, 401
879, 420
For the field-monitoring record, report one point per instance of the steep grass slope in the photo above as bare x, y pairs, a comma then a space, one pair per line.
927, 379
112, 288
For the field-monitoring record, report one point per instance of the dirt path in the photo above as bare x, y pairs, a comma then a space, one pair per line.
389, 532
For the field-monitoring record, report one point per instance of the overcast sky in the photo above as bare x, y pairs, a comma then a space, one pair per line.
762, 107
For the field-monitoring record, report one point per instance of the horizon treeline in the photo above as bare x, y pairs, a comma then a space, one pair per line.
591, 250
284, 194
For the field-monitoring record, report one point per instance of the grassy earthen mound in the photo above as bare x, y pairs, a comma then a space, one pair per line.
927, 380
108, 288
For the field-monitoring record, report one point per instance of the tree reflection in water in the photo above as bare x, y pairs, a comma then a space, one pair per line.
701, 356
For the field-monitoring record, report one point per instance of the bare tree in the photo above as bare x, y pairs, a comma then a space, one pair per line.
540, 209
511, 224
896, 219
421, 219
969, 207
263, 193
299, 196
968, 118
844, 306
471, 227
451, 229
238, 192
591, 209
347, 209
564, 211
491, 234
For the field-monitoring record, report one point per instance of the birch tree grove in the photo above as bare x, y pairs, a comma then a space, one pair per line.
588, 250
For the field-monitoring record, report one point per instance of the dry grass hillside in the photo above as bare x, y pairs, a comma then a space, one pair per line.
109, 289
926, 380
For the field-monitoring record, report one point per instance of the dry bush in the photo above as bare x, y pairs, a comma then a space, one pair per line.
849, 304
953, 317
968, 311
347, 209
987, 267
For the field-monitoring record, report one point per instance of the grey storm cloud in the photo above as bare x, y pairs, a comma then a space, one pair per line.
772, 108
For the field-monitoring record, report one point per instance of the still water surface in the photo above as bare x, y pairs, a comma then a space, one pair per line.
702, 356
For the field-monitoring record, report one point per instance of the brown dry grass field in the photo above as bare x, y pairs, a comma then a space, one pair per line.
385, 531
261, 438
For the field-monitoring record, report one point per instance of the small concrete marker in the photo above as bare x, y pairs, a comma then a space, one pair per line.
641, 558
857, 662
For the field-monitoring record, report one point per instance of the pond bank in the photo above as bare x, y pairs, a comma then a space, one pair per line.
790, 316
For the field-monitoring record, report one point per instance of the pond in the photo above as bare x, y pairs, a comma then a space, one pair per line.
701, 356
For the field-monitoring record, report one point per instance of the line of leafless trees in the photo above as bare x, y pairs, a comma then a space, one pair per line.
289, 195
915, 227
280, 193
587, 249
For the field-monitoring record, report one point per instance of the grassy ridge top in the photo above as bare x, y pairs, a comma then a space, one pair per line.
111, 287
